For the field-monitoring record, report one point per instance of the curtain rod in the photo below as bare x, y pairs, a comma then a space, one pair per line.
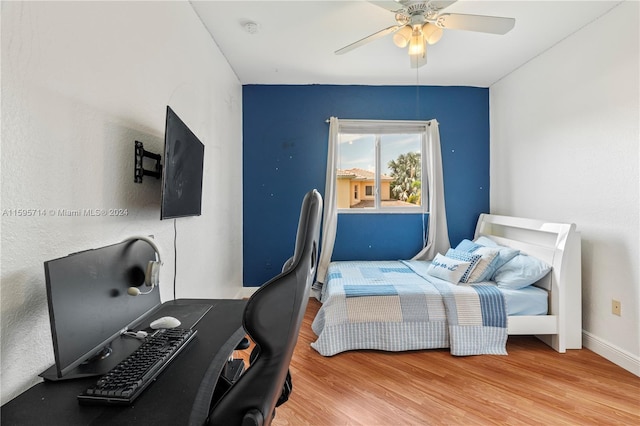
428, 121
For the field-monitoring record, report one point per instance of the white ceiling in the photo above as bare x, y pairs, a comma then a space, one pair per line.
296, 40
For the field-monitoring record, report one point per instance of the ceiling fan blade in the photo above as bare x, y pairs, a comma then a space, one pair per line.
479, 23
367, 39
439, 5
391, 5
399, 5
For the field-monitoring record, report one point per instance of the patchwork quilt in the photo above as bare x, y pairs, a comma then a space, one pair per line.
396, 306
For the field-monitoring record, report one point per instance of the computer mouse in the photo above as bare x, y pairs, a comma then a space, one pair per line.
165, 322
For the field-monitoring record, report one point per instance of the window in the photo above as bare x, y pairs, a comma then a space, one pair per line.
384, 161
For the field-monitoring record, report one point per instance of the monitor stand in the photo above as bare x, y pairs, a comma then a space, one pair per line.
100, 364
189, 314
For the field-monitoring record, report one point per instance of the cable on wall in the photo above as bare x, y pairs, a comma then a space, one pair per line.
417, 94
175, 257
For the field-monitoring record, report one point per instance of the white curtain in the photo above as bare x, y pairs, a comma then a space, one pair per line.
438, 236
330, 215
437, 233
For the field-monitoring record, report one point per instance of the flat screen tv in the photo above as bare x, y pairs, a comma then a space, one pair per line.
182, 170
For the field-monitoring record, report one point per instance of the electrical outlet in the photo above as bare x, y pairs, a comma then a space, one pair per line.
615, 307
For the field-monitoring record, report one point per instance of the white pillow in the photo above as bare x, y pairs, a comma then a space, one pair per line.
464, 256
480, 272
448, 269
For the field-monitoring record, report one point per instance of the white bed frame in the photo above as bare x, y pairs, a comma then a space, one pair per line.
558, 244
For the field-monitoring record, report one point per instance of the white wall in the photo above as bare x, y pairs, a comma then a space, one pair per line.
565, 147
80, 82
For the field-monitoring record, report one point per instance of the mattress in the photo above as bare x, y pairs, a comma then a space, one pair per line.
530, 300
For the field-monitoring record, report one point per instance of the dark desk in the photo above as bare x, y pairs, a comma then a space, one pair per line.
168, 401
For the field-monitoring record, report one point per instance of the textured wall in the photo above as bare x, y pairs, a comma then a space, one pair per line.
80, 82
564, 147
285, 154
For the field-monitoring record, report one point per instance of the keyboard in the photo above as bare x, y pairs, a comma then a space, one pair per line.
126, 381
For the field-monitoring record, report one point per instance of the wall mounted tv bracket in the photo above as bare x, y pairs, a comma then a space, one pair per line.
140, 154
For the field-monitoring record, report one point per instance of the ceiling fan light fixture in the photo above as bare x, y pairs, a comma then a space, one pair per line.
402, 37
418, 61
417, 45
432, 33
420, 22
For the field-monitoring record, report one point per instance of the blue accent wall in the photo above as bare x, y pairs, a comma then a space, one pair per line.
285, 152
378, 236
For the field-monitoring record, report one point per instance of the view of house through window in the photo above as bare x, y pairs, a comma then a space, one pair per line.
380, 170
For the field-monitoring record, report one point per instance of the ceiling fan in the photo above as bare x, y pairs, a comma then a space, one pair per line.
420, 23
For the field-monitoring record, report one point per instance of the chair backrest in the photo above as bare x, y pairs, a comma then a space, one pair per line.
272, 319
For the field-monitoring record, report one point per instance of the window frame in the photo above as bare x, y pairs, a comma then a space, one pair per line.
378, 128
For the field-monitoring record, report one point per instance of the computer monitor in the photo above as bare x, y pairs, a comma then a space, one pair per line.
89, 307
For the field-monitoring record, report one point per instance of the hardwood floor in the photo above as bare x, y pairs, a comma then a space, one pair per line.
533, 385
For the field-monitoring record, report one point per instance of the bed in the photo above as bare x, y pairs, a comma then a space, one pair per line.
382, 305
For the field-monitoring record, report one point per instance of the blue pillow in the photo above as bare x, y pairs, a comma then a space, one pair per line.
520, 272
468, 246
487, 265
505, 254
473, 260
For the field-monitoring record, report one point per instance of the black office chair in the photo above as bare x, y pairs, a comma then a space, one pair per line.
272, 319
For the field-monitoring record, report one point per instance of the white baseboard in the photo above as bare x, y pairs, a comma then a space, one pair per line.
611, 352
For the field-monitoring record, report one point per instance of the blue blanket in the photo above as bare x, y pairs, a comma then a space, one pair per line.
395, 305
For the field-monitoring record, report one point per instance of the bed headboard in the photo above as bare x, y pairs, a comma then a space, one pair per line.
558, 244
